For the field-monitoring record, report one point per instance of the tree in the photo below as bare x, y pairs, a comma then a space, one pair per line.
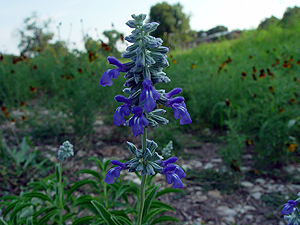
174, 24
34, 38
217, 29
269, 22
291, 17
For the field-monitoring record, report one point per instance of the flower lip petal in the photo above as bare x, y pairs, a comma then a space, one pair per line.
106, 79
137, 109
175, 91
177, 99
121, 98
118, 163
170, 160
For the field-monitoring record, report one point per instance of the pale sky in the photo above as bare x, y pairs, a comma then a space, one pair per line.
100, 14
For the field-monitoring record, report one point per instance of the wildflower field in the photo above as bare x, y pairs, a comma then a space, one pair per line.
244, 92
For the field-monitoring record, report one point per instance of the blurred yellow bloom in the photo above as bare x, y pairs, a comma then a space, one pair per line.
292, 147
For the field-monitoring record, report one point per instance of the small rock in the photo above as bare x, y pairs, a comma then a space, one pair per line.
256, 195
208, 166
186, 167
249, 216
217, 160
256, 188
260, 181
226, 211
247, 184
215, 194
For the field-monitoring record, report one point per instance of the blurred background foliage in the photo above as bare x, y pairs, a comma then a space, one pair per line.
243, 86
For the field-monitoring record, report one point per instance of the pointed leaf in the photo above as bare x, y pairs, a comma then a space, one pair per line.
91, 172
38, 195
80, 184
84, 220
163, 219
150, 197
169, 190
103, 212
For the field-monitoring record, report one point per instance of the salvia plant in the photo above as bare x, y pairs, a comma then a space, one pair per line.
142, 106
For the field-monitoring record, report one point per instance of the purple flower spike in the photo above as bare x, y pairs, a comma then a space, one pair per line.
108, 75
114, 172
179, 108
174, 174
138, 121
122, 111
149, 95
288, 208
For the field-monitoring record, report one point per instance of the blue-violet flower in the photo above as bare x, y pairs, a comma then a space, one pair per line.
179, 108
138, 121
149, 95
122, 111
114, 172
107, 76
289, 207
174, 174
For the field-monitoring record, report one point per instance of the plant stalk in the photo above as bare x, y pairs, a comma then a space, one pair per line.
143, 182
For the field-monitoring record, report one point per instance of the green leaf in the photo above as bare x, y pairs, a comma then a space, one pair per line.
99, 163
163, 219
47, 217
169, 190
91, 172
18, 209
38, 195
149, 199
9, 208
68, 216
124, 220
121, 190
83, 220
161, 205
103, 212
80, 184
153, 213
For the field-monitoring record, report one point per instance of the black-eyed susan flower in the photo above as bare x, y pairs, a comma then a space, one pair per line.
13, 120
174, 61
35, 67
7, 114
227, 102
80, 70
286, 64
249, 142
254, 69
292, 100
271, 89
291, 147
244, 74
298, 62
250, 57
281, 110
32, 89
24, 118
3, 109
262, 73
193, 66
23, 103
291, 59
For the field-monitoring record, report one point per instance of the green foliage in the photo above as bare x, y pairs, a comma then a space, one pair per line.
291, 18
251, 83
269, 22
174, 24
34, 38
216, 30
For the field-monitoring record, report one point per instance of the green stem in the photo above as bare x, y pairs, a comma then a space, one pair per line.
143, 182
142, 200
60, 193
